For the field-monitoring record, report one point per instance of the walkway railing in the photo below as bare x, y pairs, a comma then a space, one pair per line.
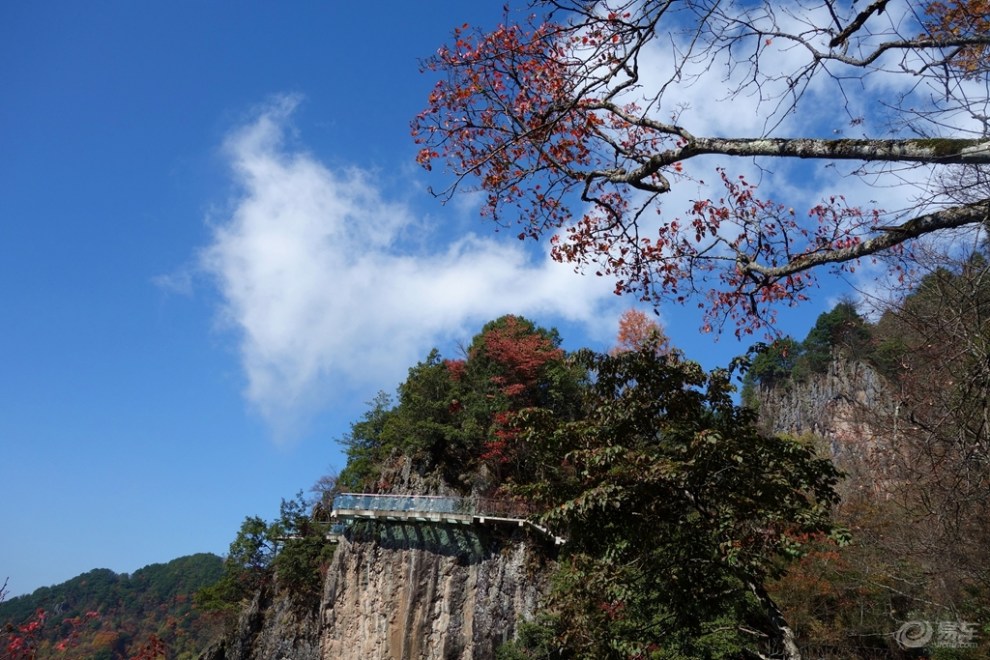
434, 504
434, 508
424, 503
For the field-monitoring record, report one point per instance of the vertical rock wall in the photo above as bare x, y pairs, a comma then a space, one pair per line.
839, 406
270, 628
402, 591
853, 410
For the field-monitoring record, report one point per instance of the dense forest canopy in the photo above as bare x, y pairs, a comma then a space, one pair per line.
917, 465
102, 615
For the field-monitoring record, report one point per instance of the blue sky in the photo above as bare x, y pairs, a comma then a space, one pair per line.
215, 246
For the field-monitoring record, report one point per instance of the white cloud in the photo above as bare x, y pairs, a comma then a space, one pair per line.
328, 285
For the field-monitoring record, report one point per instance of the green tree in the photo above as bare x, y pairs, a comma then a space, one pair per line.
772, 365
246, 568
677, 510
364, 445
426, 423
513, 365
457, 414
299, 566
842, 327
289, 553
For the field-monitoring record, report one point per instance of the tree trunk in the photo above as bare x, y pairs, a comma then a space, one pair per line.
782, 632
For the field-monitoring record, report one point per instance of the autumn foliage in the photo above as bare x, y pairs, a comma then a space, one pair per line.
637, 330
461, 413
28, 640
103, 615
962, 18
903, 403
521, 356
518, 357
551, 118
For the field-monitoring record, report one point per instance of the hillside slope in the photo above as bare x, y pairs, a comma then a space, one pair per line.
103, 615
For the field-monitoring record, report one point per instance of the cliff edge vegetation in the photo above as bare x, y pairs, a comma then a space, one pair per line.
678, 513
901, 404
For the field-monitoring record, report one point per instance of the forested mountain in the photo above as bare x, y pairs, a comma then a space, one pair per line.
678, 513
846, 520
902, 405
841, 513
103, 615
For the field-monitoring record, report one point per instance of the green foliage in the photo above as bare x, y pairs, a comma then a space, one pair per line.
772, 365
299, 566
677, 510
884, 345
364, 445
675, 507
534, 639
246, 568
289, 551
841, 327
426, 424
101, 614
785, 360
888, 356
457, 415
776, 363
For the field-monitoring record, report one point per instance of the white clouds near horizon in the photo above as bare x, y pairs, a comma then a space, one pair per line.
326, 281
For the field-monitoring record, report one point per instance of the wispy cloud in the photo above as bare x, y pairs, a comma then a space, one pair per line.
326, 282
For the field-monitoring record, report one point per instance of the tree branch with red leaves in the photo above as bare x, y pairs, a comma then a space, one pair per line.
551, 117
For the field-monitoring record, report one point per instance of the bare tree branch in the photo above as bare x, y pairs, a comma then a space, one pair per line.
951, 218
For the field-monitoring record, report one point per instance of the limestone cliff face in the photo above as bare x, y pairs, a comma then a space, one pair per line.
426, 591
272, 628
822, 404
850, 407
403, 591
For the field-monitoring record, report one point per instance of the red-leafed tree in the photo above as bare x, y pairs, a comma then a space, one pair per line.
577, 125
153, 649
517, 353
637, 330
461, 414
510, 363
27, 641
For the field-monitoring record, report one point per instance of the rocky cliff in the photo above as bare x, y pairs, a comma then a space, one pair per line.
398, 590
850, 409
822, 404
270, 627
401, 591
426, 591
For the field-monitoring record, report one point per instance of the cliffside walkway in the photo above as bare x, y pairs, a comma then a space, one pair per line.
431, 509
